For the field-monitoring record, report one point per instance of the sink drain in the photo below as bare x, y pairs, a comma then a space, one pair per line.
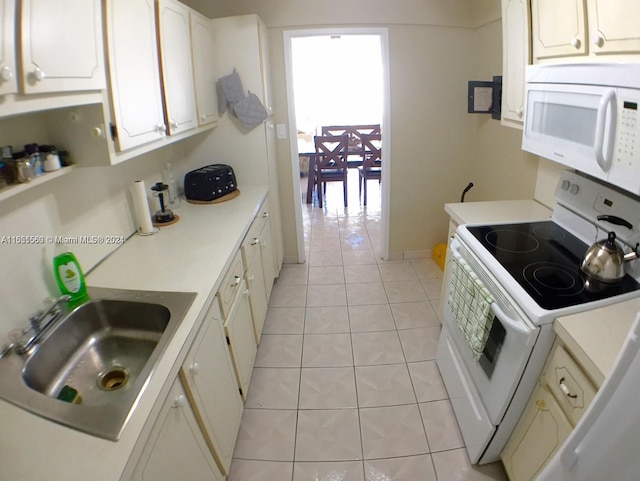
113, 379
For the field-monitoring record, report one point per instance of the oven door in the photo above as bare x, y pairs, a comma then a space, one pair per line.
494, 378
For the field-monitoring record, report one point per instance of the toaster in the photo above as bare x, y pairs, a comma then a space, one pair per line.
209, 182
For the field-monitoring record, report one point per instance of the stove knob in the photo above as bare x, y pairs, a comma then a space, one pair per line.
574, 189
565, 185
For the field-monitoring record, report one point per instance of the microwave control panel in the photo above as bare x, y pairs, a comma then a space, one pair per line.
625, 150
625, 171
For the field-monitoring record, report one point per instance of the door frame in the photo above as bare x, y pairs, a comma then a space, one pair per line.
383, 33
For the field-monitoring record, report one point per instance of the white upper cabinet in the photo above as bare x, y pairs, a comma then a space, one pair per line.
515, 45
177, 66
204, 71
558, 28
574, 28
614, 26
61, 46
8, 83
134, 72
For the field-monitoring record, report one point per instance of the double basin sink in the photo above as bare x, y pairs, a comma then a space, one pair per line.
97, 359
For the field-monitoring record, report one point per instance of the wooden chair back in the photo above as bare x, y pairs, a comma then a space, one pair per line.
354, 132
331, 151
371, 151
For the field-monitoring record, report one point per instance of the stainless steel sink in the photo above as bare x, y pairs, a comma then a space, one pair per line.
106, 350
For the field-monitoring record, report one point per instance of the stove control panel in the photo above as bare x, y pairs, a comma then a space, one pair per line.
589, 198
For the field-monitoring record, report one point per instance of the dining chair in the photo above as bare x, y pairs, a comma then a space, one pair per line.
371, 162
355, 133
330, 163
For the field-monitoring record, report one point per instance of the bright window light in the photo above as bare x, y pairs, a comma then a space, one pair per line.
337, 80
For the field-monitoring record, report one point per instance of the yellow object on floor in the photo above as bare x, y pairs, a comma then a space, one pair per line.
439, 254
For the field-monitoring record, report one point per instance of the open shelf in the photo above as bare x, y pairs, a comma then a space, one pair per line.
13, 189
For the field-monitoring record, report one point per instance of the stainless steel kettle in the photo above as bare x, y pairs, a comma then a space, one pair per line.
604, 260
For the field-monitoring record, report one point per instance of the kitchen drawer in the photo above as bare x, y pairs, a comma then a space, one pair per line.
231, 284
569, 384
251, 243
263, 214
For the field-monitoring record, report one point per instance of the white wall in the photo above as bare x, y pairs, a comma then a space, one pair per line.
86, 201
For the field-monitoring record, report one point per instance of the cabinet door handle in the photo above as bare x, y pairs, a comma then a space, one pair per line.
255, 241
252, 278
236, 282
597, 40
174, 124
6, 73
265, 215
246, 293
575, 42
38, 74
194, 368
565, 390
162, 128
180, 401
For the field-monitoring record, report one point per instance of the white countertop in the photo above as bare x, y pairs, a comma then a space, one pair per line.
496, 211
595, 337
188, 256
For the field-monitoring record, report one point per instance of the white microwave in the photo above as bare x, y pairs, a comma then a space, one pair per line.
585, 116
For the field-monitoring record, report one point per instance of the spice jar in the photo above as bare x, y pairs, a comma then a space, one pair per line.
51, 159
22, 168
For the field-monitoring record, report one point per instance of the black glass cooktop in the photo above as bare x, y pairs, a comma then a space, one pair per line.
544, 259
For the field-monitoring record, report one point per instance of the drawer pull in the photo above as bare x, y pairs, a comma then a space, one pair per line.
255, 241
565, 389
180, 401
236, 281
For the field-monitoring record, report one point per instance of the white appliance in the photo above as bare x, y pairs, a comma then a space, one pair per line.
531, 271
585, 116
604, 444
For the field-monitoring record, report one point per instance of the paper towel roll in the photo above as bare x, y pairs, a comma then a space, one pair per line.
141, 208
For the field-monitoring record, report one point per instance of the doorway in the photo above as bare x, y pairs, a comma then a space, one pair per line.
327, 87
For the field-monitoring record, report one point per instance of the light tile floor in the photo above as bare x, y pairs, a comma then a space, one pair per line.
345, 386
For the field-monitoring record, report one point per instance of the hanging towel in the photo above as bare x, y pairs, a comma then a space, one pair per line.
470, 302
250, 111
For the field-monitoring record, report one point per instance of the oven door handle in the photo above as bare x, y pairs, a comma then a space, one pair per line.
513, 325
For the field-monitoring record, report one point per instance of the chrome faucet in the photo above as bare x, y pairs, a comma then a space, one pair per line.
39, 324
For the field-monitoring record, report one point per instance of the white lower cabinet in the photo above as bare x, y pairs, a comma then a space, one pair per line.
212, 388
257, 294
241, 338
563, 394
540, 432
268, 256
176, 448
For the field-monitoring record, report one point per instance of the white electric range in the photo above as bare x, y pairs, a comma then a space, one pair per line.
532, 272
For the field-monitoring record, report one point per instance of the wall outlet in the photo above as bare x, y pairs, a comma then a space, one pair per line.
281, 131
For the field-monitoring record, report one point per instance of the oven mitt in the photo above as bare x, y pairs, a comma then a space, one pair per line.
231, 91
250, 111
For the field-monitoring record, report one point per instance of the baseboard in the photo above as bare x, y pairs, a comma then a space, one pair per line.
409, 255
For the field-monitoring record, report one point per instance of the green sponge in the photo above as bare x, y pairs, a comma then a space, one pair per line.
70, 395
